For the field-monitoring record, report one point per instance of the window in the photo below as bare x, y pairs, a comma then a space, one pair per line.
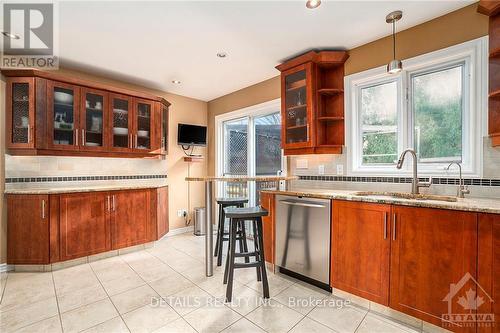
434, 106
249, 143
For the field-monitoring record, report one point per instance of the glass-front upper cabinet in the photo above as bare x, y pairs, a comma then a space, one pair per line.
143, 112
121, 122
93, 122
164, 128
297, 106
63, 112
21, 118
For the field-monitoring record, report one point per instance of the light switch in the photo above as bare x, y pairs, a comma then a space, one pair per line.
340, 169
321, 169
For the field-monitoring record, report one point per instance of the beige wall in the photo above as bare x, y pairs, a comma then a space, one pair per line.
183, 109
453, 28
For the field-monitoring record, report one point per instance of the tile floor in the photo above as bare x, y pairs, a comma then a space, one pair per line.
164, 289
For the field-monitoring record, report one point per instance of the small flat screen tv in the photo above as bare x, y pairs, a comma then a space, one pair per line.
192, 135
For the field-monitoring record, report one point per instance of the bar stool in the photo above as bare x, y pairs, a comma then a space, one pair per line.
241, 236
239, 216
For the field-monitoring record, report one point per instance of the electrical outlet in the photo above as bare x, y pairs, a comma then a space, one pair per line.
181, 213
340, 169
321, 169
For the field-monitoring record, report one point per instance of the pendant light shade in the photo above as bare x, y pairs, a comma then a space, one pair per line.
395, 66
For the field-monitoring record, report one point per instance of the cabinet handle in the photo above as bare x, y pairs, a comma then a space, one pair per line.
394, 227
130, 141
385, 225
114, 207
43, 209
136, 141
108, 206
76, 137
29, 134
83, 137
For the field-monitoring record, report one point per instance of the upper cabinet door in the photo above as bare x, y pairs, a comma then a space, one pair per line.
20, 100
143, 135
63, 116
94, 120
120, 122
297, 89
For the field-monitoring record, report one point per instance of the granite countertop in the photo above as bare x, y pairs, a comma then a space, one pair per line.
483, 205
82, 188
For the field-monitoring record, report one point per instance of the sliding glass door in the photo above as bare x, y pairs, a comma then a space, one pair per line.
250, 145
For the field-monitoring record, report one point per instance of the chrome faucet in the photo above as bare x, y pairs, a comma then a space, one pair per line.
462, 188
415, 184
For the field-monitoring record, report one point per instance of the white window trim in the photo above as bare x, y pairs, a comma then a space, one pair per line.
475, 52
250, 112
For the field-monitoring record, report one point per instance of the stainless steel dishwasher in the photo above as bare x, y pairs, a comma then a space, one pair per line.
303, 238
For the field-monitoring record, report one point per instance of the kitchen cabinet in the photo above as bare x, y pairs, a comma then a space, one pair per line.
268, 225
312, 103
432, 252
489, 269
84, 224
28, 229
361, 249
130, 218
54, 114
492, 9
20, 122
162, 226
94, 125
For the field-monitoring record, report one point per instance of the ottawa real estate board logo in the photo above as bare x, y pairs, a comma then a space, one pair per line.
28, 36
468, 305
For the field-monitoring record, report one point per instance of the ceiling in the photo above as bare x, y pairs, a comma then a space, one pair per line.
153, 43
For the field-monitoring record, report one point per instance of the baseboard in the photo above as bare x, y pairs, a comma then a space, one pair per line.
6, 268
178, 231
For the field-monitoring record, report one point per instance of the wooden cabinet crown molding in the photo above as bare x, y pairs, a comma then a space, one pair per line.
81, 82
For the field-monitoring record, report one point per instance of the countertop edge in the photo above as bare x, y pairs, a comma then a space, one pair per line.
80, 189
469, 206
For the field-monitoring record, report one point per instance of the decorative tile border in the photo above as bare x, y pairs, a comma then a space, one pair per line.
403, 180
79, 178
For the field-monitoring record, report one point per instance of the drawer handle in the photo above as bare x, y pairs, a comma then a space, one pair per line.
114, 207
385, 225
43, 209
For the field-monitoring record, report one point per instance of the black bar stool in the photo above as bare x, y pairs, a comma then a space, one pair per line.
236, 217
241, 236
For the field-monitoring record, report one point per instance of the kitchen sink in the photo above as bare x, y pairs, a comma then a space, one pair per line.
403, 195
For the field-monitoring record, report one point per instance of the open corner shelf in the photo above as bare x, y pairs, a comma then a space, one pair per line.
193, 158
330, 91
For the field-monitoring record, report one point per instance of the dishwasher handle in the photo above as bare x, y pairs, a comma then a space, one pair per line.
302, 204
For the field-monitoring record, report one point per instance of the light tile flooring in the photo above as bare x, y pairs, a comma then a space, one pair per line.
164, 289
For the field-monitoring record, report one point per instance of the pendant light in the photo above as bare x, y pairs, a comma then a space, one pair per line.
395, 66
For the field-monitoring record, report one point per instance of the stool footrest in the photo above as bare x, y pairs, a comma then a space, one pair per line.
247, 265
247, 254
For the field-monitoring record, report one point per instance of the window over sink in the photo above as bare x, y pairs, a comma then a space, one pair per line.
435, 106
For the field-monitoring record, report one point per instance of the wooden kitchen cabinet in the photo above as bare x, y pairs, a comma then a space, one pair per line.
312, 103
130, 218
53, 114
28, 226
489, 269
361, 249
267, 201
84, 224
432, 252
162, 225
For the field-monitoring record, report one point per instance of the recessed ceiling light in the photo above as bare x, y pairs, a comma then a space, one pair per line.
176, 81
10, 35
311, 4
221, 54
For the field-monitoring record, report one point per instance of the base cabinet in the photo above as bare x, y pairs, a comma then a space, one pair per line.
361, 249
130, 218
433, 264
83, 224
28, 229
267, 201
489, 271
44, 229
